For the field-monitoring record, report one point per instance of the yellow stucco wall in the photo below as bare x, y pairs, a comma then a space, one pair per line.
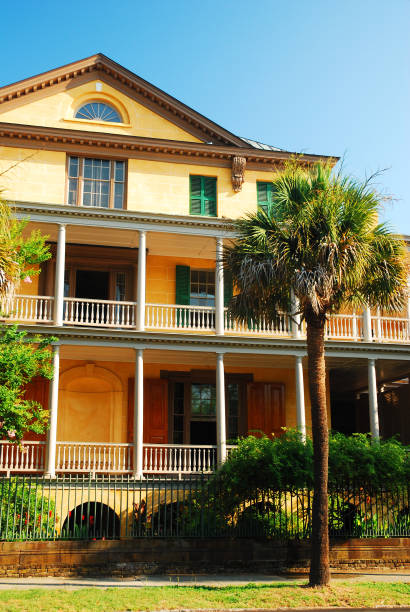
158, 187
161, 276
32, 175
164, 188
58, 110
161, 187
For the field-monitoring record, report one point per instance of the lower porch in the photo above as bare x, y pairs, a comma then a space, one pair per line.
141, 412
155, 412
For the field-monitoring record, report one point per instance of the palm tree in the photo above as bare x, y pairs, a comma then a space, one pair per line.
318, 241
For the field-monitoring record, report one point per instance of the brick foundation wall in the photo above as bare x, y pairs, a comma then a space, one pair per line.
160, 556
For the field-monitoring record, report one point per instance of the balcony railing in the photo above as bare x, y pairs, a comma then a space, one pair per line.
106, 458
80, 457
197, 319
28, 308
178, 459
175, 317
99, 313
29, 457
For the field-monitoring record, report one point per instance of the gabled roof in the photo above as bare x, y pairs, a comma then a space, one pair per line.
101, 67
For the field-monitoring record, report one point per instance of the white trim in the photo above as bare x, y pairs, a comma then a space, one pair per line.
124, 219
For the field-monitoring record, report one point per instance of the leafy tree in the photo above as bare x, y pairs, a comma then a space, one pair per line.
19, 254
320, 241
21, 359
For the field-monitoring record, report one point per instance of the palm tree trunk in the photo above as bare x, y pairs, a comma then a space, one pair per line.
319, 565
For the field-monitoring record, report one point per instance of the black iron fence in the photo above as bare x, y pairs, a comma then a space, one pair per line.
81, 507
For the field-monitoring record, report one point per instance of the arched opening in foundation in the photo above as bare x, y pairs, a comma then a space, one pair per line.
92, 519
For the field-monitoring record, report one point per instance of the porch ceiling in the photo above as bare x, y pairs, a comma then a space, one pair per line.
351, 375
158, 243
346, 373
189, 359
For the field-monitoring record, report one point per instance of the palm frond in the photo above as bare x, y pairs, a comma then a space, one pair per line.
321, 240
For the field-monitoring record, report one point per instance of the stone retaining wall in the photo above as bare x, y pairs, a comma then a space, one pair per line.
178, 556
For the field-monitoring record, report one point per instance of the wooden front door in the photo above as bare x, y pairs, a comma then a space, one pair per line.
155, 410
266, 408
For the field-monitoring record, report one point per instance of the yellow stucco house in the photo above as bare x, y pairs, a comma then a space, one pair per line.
136, 192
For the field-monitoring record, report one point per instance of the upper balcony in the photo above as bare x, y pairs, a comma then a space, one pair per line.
124, 271
121, 315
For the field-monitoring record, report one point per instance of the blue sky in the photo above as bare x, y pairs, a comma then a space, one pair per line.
304, 75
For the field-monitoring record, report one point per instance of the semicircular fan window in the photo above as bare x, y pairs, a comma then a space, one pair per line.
98, 111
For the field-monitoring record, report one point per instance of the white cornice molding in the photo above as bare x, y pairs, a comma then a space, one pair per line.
229, 344
123, 219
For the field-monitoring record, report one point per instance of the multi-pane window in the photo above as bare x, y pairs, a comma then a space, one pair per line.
202, 288
120, 286
96, 182
98, 111
202, 195
203, 400
264, 192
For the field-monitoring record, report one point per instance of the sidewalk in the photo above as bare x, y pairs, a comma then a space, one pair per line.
196, 580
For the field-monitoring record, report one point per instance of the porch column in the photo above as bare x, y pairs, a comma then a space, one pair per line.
53, 409
367, 325
300, 397
141, 282
138, 414
219, 289
295, 321
373, 407
59, 277
220, 409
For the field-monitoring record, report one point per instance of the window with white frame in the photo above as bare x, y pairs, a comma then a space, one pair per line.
96, 182
98, 111
202, 288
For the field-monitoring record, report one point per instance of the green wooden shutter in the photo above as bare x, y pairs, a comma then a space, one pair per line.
203, 195
228, 287
209, 195
182, 284
196, 195
182, 293
264, 191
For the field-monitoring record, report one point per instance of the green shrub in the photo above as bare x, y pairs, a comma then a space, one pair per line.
25, 512
257, 489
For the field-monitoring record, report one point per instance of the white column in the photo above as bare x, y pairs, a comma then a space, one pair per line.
138, 414
295, 321
142, 266
373, 407
300, 397
220, 409
367, 325
53, 409
219, 289
59, 277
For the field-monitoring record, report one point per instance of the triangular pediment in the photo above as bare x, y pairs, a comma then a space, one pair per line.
48, 98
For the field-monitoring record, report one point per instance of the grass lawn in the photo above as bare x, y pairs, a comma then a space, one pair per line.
176, 597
